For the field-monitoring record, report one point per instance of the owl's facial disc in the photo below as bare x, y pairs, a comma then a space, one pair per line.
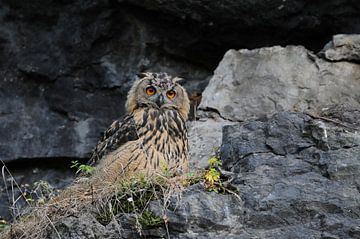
160, 95
158, 90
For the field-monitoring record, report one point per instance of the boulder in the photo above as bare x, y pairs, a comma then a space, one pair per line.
205, 137
66, 66
261, 82
65, 70
295, 176
342, 47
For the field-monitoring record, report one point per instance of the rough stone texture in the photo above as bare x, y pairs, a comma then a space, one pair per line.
257, 23
343, 113
205, 137
66, 67
253, 83
342, 48
296, 172
201, 214
297, 177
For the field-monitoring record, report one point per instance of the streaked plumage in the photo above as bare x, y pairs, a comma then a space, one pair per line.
150, 139
152, 136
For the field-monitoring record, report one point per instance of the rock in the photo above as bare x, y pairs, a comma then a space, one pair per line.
342, 48
296, 176
66, 69
257, 23
202, 214
343, 113
261, 82
81, 227
205, 137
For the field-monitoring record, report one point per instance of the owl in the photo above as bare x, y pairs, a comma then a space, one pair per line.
152, 136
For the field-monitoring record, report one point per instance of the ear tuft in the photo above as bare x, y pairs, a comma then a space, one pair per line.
144, 74
178, 80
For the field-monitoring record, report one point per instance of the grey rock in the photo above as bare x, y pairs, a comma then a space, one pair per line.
252, 24
222, 215
289, 185
79, 227
344, 114
261, 82
205, 137
342, 48
290, 182
65, 71
66, 66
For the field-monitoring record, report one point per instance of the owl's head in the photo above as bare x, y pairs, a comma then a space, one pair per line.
160, 91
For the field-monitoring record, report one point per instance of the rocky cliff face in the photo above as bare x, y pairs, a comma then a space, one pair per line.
264, 81
66, 66
296, 176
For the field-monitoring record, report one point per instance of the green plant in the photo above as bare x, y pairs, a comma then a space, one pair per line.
214, 162
133, 196
213, 180
3, 225
149, 219
82, 168
212, 176
193, 178
42, 191
165, 170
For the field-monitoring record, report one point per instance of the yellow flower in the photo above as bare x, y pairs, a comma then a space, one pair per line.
212, 176
214, 162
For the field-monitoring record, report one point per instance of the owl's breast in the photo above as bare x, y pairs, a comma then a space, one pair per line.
162, 140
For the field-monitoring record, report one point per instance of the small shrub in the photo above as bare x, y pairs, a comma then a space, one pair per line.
133, 196
149, 219
85, 169
212, 176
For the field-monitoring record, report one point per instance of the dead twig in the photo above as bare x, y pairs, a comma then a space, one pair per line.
331, 120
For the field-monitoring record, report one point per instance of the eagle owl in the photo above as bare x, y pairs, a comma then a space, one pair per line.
152, 136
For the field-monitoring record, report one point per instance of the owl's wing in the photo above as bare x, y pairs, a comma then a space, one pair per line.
116, 135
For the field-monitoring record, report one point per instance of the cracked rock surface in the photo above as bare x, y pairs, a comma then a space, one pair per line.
261, 82
296, 176
66, 67
343, 48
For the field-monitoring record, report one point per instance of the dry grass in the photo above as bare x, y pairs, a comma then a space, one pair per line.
132, 195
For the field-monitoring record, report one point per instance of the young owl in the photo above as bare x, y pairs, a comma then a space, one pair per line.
153, 135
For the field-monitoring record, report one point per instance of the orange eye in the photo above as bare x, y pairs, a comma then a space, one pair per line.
150, 91
170, 94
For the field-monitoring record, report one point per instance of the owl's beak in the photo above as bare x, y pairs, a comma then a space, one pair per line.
159, 100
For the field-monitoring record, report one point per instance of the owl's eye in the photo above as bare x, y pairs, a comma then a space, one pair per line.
170, 94
150, 90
